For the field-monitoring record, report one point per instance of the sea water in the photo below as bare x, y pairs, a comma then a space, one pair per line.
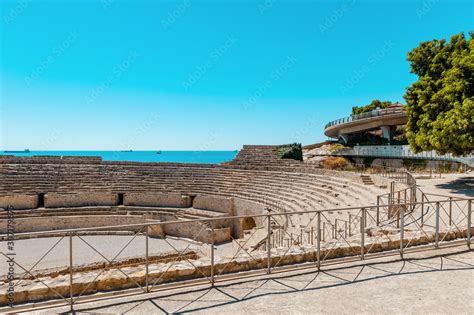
207, 157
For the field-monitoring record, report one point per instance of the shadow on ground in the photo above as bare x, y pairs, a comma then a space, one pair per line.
463, 185
207, 299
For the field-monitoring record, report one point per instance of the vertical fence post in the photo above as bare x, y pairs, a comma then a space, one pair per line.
378, 210
398, 217
269, 229
437, 226
350, 225
213, 241
365, 217
402, 233
71, 293
392, 192
318, 241
422, 209
324, 231
146, 261
450, 210
469, 222
362, 234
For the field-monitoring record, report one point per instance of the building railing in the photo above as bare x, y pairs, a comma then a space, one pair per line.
398, 152
403, 151
394, 226
371, 114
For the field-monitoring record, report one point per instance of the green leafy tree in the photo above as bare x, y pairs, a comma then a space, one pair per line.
440, 105
370, 107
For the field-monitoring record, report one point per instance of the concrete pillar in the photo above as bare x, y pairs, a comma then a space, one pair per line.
388, 132
344, 138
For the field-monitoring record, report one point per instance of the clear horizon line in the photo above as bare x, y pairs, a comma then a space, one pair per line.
138, 150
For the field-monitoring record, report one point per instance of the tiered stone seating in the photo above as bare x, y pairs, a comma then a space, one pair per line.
256, 175
318, 190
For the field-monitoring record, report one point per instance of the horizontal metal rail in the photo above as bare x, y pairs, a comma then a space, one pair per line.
368, 115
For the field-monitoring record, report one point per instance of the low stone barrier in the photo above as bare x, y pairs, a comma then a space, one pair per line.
198, 232
157, 200
37, 224
19, 201
80, 199
212, 203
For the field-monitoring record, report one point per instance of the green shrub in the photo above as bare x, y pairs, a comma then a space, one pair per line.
290, 151
370, 107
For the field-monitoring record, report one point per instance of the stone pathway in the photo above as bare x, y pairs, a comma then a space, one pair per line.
425, 283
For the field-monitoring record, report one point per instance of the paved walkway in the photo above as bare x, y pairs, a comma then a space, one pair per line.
456, 185
425, 283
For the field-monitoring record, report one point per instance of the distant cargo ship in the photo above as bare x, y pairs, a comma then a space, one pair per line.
13, 151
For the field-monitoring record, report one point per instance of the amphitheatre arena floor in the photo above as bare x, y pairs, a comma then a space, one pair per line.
30, 251
428, 282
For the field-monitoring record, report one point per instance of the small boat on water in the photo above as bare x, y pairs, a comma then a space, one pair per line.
158, 152
17, 151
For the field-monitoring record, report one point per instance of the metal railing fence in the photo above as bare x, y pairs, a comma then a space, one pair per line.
395, 225
401, 152
371, 114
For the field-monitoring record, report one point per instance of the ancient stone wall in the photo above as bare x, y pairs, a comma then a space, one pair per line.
242, 207
54, 200
37, 224
213, 203
157, 200
197, 231
19, 201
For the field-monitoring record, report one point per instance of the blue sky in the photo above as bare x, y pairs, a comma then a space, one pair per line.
203, 75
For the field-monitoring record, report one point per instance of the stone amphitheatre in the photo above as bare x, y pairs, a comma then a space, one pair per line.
84, 226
